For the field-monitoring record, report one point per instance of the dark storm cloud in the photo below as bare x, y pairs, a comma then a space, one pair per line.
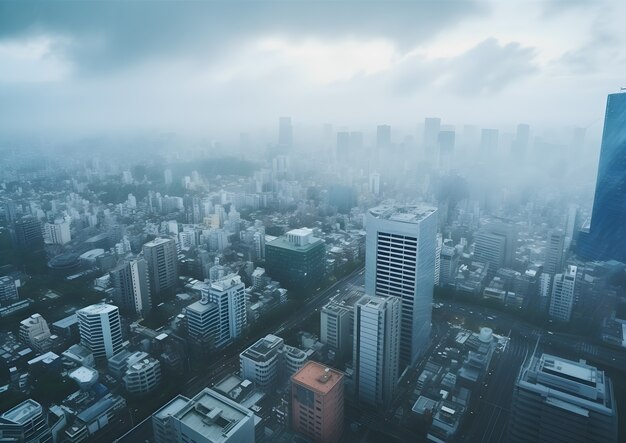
109, 34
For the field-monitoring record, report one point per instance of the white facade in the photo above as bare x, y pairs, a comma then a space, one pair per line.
400, 262
35, 332
376, 348
100, 330
57, 233
335, 327
143, 376
228, 294
132, 285
562, 300
260, 363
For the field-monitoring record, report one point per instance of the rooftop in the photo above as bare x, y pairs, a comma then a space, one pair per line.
402, 213
22, 412
261, 349
157, 242
569, 369
98, 309
317, 377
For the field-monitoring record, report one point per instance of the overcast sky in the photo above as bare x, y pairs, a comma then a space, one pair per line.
214, 67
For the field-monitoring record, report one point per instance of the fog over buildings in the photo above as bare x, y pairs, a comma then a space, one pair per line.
338, 221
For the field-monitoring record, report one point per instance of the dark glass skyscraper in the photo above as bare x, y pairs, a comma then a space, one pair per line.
605, 237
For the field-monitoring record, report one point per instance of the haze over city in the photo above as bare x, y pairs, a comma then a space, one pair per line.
312, 221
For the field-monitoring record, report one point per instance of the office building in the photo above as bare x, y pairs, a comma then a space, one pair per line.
26, 423
400, 262
260, 363
228, 294
34, 331
209, 417
376, 348
432, 126
604, 236
555, 399
292, 360
336, 328
495, 244
296, 260
448, 265
489, 139
563, 292
57, 233
162, 260
8, 290
203, 322
555, 247
143, 376
28, 232
100, 330
285, 134
317, 403
383, 137
132, 286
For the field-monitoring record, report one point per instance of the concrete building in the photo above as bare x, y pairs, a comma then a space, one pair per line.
208, 417
203, 319
376, 348
555, 399
8, 290
317, 403
35, 332
228, 293
400, 262
296, 260
260, 363
553, 263
162, 260
563, 293
100, 330
495, 245
57, 233
28, 232
143, 376
132, 286
336, 328
26, 423
449, 264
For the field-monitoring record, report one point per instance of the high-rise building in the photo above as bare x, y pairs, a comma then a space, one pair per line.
336, 328
296, 260
489, 139
132, 286
554, 252
374, 183
35, 332
317, 403
555, 399
432, 126
28, 232
376, 348
162, 260
445, 144
563, 293
8, 290
285, 134
449, 263
228, 293
25, 422
167, 176
383, 137
203, 321
57, 233
100, 330
209, 417
495, 244
400, 262
604, 237
260, 363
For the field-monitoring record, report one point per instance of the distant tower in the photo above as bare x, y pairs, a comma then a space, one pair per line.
400, 262
432, 127
519, 147
383, 137
285, 134
554, 252
489, 139
100, 330
162, 260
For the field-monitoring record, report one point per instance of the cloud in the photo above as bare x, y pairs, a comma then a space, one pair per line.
104, 35
485, 69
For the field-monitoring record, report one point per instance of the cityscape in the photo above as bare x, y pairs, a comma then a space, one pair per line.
312, 222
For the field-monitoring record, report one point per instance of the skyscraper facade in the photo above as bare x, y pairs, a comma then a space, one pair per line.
562, 298
228, 293
376, 348
162, 260
604, 238
132, 286
400, 262
100, 330
554, 252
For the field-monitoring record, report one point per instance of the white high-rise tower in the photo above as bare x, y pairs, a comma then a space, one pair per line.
100, 330
400, 262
